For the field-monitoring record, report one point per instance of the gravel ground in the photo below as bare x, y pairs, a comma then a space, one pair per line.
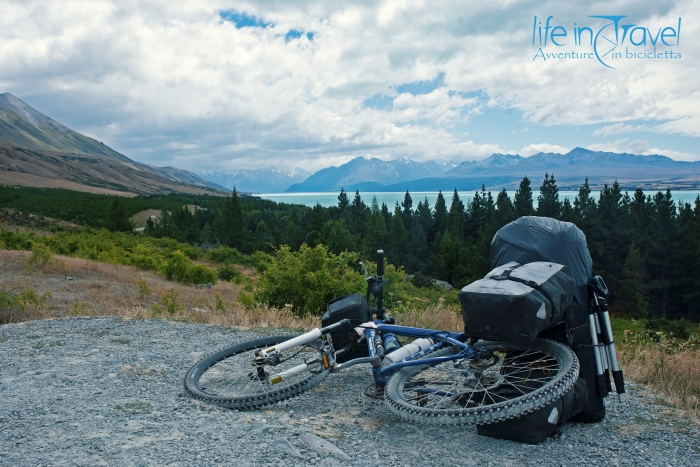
103, 391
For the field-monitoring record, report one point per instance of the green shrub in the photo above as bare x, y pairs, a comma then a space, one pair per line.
143, 290
260, 261
180, 268
172, 302
675, 328
228, 272
41, 255
220, 305
246, 299
30, 300
200, 274
8, 300
309, 278
421, 281
225, 254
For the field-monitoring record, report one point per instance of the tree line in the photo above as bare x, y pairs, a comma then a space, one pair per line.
646, 246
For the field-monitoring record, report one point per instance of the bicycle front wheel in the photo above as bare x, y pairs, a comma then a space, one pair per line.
516, 380
231, 378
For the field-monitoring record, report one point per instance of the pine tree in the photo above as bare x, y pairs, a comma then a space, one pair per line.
567, 211
357, 209
629, 300
505, 211
386, 215
424, 216
584, 204
480, 212
318, 219
548, 204
116, 218
398, 238
407, 210
456, 216
440, 213
523, 199
229, 227
343, 201
377, 229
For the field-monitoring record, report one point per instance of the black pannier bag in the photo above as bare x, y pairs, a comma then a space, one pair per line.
353, 307
536, 426
516, 302
531, 239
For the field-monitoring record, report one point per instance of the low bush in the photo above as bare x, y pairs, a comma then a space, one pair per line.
225, 254
180, 268
308, 279
172, 258
41, 255
227, 272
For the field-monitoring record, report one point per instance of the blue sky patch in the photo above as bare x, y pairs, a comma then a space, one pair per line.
243, 20
379, 102
296, 34
422, 87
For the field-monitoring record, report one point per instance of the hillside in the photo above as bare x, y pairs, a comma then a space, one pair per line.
38, 151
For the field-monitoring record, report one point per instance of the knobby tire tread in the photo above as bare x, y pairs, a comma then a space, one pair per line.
191, 381
487, 414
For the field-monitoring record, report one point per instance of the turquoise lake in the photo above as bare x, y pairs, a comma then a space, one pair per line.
331, 199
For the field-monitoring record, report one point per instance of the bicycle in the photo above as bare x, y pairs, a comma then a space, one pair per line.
442, 377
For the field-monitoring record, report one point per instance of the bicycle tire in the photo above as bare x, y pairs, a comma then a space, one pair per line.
419, 400
226, 378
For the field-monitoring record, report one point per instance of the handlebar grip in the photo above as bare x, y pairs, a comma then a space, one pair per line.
380, 263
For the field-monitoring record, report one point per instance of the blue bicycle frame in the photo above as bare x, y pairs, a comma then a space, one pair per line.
382, 374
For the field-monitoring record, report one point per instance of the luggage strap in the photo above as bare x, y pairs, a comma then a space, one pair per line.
505, 275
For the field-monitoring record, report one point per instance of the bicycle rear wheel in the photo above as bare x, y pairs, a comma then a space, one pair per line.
230, 378
519, 379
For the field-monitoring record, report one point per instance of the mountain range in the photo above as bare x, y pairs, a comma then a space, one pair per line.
38, 151
257, 180
369, 175
506, 171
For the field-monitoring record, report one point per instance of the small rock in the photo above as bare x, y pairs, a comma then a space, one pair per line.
286, 447
446, 286
322, 446
269, 428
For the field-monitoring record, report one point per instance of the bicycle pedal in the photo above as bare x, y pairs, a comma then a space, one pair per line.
374, 392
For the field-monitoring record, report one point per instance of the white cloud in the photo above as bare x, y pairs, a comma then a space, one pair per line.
615, 146
679, 156
542, 147
638, 146
618, 128
171, 82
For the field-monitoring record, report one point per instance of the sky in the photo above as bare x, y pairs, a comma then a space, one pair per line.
227, 85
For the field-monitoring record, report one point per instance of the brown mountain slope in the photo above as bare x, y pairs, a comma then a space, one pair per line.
81, 172
36, 150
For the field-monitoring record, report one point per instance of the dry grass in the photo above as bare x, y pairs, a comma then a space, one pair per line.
673, 371
431, 317
107, 289
139, 219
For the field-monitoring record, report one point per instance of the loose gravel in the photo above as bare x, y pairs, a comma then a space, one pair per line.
104, 391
